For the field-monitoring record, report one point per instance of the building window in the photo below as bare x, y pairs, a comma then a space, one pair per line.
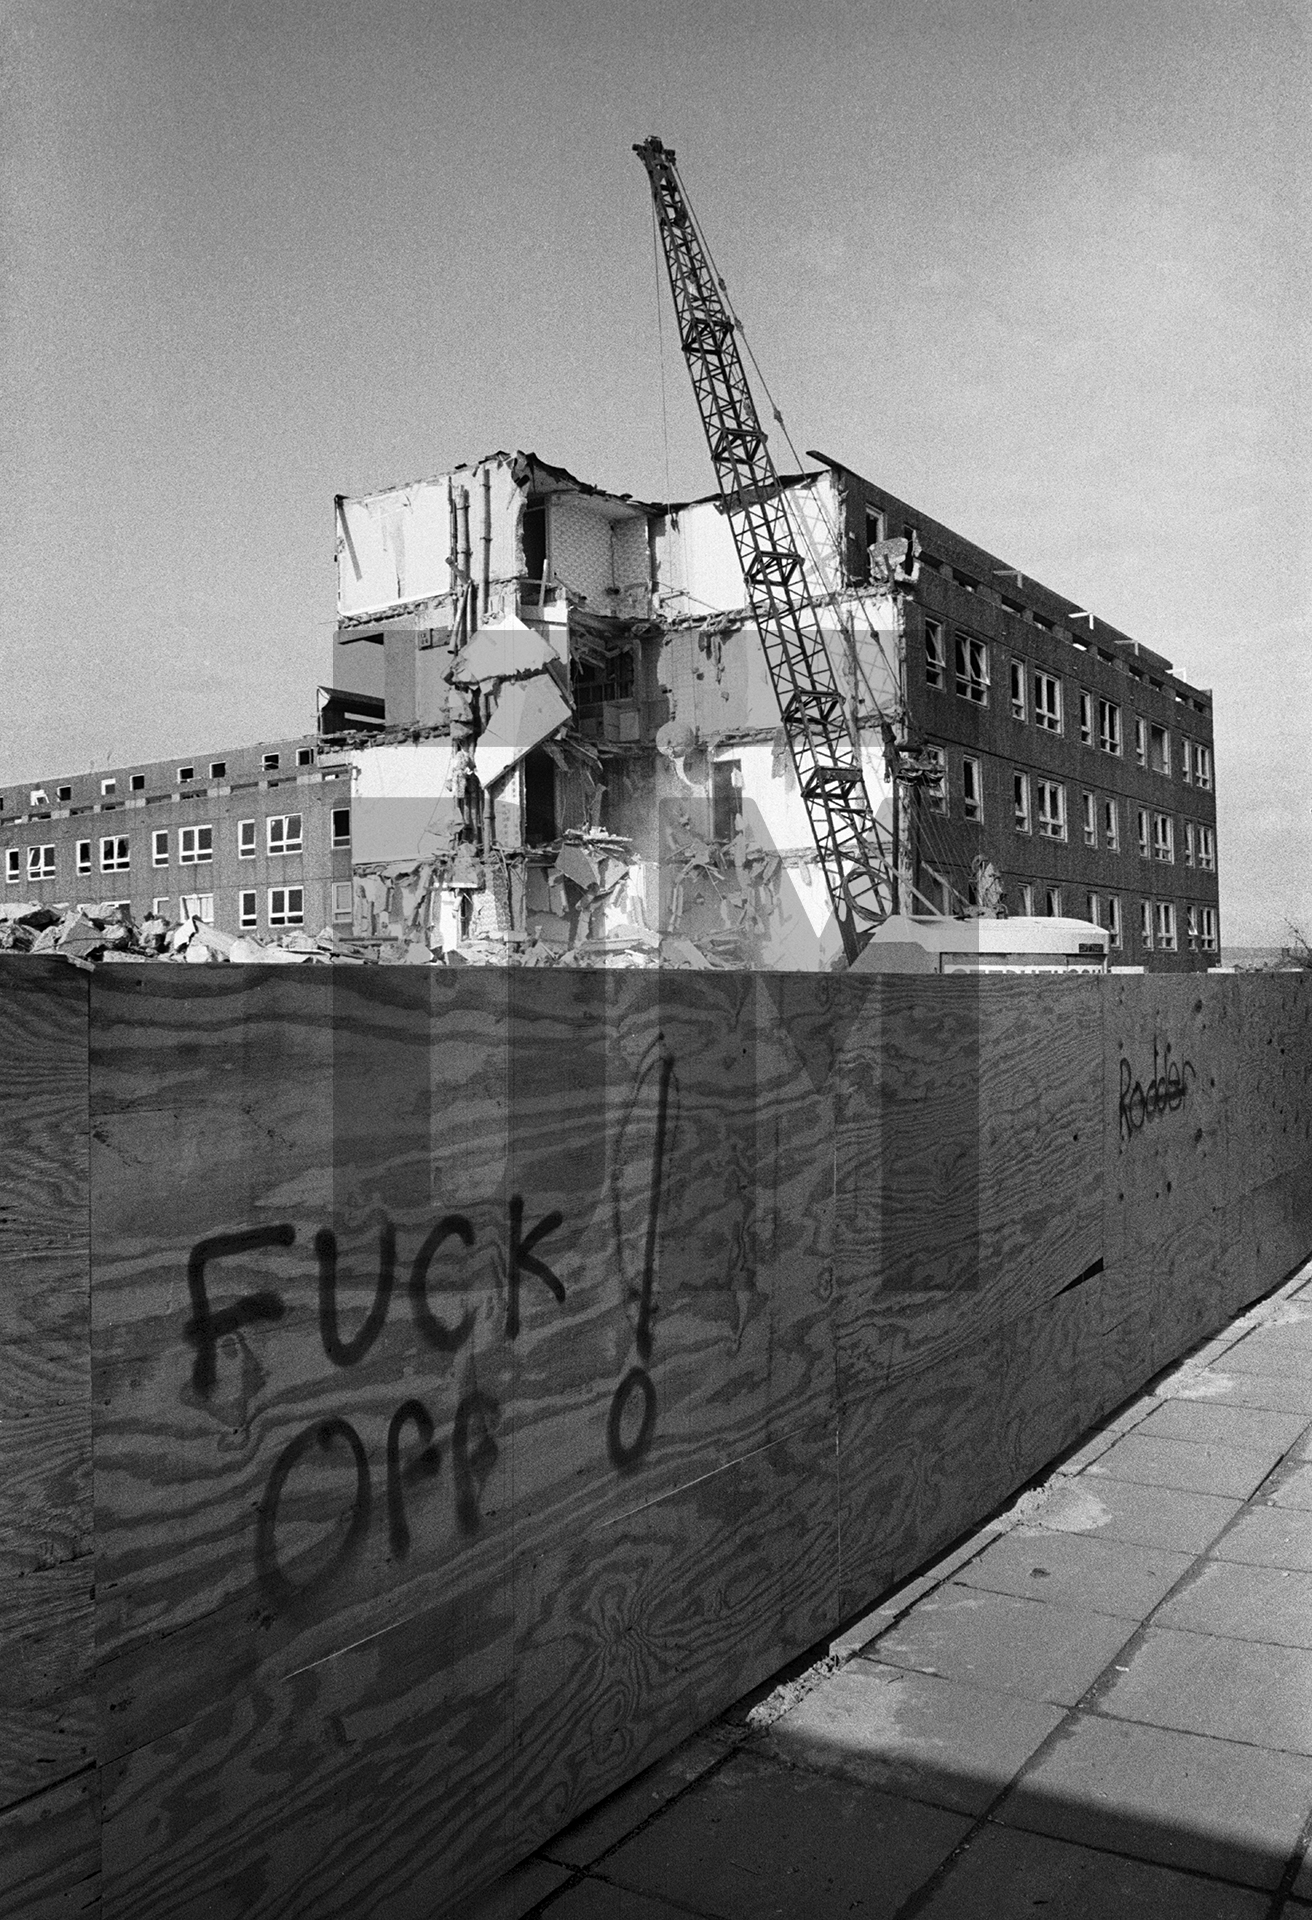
342, 908
1189, 843
1089, 812
1191, 927
1203, 768
159, 848
936, 791
12, 866
1145, 844
972, 662
1113, 920
935, 658
63, 793
185, 774
341, 827
245, 839
198, 906
1027, 900
40, 863
1052, 903
1047, 702
305, 756
726, 801
159, 906
1111, 826
1187, 762
972, 789
1166, 926
1086, 718
270, 763
137, 783
195, 845
1146, 922
1018, 689
114, 854
218, 769
1207, 849
1020, 801
1141, 741
1109, 726
875, 524
108, 788
1159, 750
1163, 837
1207, 931
84, 856
1052, 809
283, 831
286, 906
1092, 908
246, 914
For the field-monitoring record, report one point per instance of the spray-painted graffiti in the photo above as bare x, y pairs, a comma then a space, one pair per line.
1167, 1090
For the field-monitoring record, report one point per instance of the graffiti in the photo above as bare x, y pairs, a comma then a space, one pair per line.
1167, 1090
626, 1454
206, 1328
322, 1433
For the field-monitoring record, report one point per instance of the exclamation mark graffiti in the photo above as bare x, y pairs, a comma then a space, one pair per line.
637, 1382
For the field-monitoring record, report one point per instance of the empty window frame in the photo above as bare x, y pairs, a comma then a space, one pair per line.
13, 865
1018, 703
1165, 928
269, 764
137, 782
1141, 741
972, 788
1159, 750
195, 846
1203, 768
63, 793
1207, 849
936, 665
108, 788
1189, 843
84, 856
218, 769
1052, 903
936, 791
342, 906
198, 906
1146, 923
726, 798
1111, 826
1086, 718
1191, 928
286, 906
1020, 802
1093, 909
1047, 702
341, 827
1089, 819
1052, 809
246, 839
283, 833
1027, 899
1207, 929
972, 668
1109, 726
1113, 920
305, 756
159, 848
40, 863
185, 774
37, 797
159, 906
1145, 837
1163, 837
875, 526
114, 854
1187, 762
247, 914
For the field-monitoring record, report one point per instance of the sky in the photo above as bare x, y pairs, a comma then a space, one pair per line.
1039, 267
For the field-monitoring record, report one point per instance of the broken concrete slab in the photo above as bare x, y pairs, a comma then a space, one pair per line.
1002, 1642
1232, 1689
1184, 1799
1080, 1573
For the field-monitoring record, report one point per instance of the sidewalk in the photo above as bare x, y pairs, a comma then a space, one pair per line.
1097, 1708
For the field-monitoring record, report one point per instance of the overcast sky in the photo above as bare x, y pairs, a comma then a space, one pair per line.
1039, 267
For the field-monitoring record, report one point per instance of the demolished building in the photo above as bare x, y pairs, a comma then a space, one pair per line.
566, 746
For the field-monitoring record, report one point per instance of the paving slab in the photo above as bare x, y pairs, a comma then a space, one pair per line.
1293, 1488
1075, 1571
1005, 1873
1184, 1799
1127, 1510
998, 1641
1206, 1683
757, 1840
1185, 1464
914, 1733
615, 1819
1228, 1597
598, 1900
1256, 1429
1272, 1349
1281, 1392
515, 1893
1269, 1537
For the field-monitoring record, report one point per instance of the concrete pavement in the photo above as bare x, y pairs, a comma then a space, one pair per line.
1098, 1706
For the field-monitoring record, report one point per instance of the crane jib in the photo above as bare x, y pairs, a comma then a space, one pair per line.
814, 714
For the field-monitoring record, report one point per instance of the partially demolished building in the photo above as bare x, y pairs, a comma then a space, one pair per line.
565, 745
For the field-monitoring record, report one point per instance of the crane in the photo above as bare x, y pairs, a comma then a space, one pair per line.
858, 874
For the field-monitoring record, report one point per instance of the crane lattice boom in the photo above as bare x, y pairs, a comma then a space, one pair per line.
811, 704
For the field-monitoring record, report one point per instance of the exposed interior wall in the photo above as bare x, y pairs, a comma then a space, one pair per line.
457, 1334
